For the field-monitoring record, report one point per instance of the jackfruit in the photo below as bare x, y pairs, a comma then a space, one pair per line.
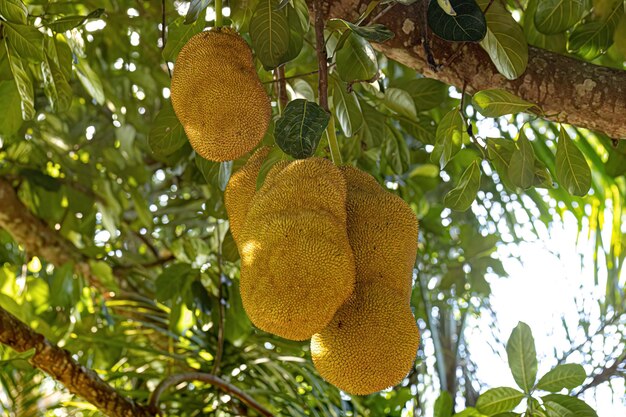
218, 97
371, 342
297, 266
382, 230
241, 189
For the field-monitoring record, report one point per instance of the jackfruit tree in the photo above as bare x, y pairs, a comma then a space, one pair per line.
311, 207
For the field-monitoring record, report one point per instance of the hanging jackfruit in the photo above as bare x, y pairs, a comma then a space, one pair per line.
297, 266
218, 97
240, 190
382, 230
371, 342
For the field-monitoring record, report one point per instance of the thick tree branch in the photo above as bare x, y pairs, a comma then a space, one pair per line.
576, 92
59, 364
322, 59
37, 238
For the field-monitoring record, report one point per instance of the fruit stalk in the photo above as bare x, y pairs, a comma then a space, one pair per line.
335, 153
218, 13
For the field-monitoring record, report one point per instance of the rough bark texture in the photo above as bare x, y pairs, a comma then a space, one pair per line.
62, 367
569, 90
36, 237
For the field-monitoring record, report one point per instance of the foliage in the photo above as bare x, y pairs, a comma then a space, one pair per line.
89, 139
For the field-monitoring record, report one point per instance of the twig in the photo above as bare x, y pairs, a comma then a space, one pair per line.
277, 80
382, 13
59, 364
430, 58
163, 22
488, 6
221, 310
282, 87
210, 379
321, 55
468, 124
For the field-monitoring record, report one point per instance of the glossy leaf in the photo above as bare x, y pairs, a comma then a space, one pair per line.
449, 138
574, 405
196, 8
566, 376
556, 16
443, 405
24, 84
356, 60
167, 134
400, 102
269, 31
461, 197
592, 38
572, 170
346, 108
496, 103
505, 41
373, 33
14, 11
426, 92
300, 128
522, 357
11, 119
498, 400
467, 25
521, 168
555, 42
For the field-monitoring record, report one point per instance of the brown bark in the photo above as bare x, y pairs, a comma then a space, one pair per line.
59, 364
36, 237
568, 90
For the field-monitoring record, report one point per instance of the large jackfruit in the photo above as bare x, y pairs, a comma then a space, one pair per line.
371, 342
241, 189
297, 266
382, 230
218, 97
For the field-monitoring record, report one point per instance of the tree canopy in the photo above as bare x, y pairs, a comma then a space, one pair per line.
119, 277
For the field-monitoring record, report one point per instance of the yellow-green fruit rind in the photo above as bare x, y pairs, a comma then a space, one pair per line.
218, 97
370, 344
240, 191
314, 183
382, 230
297, 269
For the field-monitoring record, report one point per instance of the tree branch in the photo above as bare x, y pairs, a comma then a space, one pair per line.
322, 58
210, 379
59, 364
576, 92
39, 239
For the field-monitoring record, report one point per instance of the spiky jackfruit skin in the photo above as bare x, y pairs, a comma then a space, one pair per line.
371, 342
241, 189
218, 97
382, 230
297, 266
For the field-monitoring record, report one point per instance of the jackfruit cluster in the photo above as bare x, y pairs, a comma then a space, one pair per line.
218, 97
328, 254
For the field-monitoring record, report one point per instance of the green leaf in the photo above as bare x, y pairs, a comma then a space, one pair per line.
591, 39
167, 134
56, 86
90, 80
426, 92
469, 412
567, 376
300, 128
269, 31
556, 42
461, 197
577, 407
11, 119
572, 170
296, 35
522, 165
555, 410
505, 41
555, 16
62, 286
13, 11
196, 7
210, 170
178, 34
70, 22
498, 400
356, 60
27, 40
397, 154
522, 357
500, 152
423, 128
443, 405
467, 25
401, 102
496, 103
170, 282
23, 83
373, 33
449, 138
346, 108
22, 356
447, 7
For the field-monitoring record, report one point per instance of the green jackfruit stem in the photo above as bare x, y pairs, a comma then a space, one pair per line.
218, 13
335, 153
